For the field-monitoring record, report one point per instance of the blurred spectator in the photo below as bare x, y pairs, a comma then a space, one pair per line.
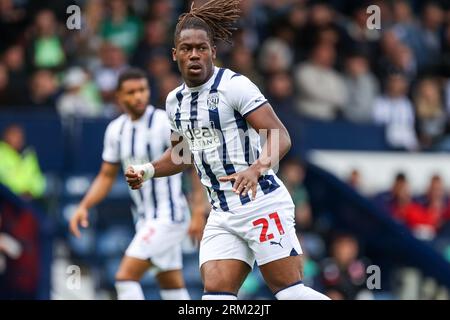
274, 56
362, 87
249, 24
424, 38
158, 66
10, 248
280, 29
241, 61
422, 222
359, 37
401, 203
163, 10
297, 19
307, 228
394, 110
344, 272
19, 168
430, 33
155, 40
385, 12
45, 48
20, 249
166, 84
436, 203
405, 26
44, 91
329, 35
320, 15
322, 90
403, 60
431, 118
354, 179
80, 97
293, 174
387, 44
12, 22
121, 28
5, 97
385, 199
280, 92
395, 57
298, 15
88, 39
14, 60
113, 61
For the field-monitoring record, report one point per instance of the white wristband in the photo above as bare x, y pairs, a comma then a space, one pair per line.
148, 169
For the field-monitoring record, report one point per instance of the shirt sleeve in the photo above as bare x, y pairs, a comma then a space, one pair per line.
166, 128
245, 96
171, 123
111, 146
170, 112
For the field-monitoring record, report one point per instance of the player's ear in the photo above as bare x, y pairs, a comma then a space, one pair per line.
174, 54
213, 50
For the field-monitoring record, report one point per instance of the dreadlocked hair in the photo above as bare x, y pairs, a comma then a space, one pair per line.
216, 17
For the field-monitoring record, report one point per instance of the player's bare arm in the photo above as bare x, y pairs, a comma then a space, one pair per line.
169, 164
200, 206
262, 118
97, 192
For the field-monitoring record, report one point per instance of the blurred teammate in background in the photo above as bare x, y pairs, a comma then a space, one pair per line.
160, 209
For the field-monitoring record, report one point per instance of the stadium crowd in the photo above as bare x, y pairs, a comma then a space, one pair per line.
396, 75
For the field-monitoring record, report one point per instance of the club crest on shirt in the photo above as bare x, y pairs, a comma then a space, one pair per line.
213, 101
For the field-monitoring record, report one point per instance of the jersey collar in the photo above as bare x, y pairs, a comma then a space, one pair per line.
144, 116
207, 84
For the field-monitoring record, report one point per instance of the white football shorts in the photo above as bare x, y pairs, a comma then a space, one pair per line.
159, 241
262, 230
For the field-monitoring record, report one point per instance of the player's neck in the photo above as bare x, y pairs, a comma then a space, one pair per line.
191, 85
135, 116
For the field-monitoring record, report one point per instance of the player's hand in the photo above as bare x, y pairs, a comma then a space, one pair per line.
244, 181
196, 227
79, 218
134, 179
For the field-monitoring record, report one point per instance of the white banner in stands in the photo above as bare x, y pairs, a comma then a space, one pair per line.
378, 169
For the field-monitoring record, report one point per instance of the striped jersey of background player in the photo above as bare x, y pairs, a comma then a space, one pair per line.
160, 210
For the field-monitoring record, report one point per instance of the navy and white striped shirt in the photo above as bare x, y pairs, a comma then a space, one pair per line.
211, 118
137, 142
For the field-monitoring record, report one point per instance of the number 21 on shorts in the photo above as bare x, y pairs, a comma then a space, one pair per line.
265, 226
